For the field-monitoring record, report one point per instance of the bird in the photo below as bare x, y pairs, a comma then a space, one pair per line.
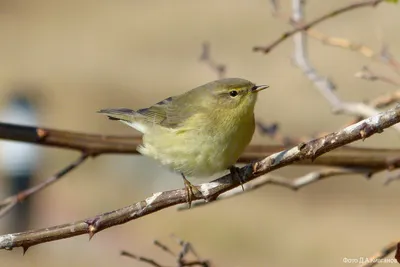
198, 133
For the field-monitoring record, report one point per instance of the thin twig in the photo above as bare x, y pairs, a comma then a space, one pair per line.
186, 247
380, 255
305, 26
385, 100
164, 247
366, 74
7, 204
142, 259
209, 191
219, 69
383, 56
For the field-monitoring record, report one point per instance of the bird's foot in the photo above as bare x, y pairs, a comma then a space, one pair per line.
235, 172
191, 191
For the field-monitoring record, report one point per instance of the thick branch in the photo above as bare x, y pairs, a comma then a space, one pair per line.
306, 26
92, 144
210, 191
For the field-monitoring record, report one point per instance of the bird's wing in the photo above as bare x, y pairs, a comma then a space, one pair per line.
170, 112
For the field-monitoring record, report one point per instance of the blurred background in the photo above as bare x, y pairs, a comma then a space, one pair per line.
61, 61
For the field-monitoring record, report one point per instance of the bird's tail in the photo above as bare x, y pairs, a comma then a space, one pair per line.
127, 116
120, 114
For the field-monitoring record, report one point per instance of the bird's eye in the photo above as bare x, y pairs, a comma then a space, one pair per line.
233, 93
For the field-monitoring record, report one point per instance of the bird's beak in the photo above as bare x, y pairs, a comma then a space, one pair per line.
258, 88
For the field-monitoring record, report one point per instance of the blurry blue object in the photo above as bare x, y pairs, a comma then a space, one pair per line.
19, 161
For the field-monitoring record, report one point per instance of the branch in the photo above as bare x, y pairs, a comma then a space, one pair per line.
306, 26
366, 74
93, 145
209, 191
380, 255
219, 69
384, 56
90, 144
7, 204
186, 247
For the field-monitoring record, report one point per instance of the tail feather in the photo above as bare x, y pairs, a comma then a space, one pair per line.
125, 115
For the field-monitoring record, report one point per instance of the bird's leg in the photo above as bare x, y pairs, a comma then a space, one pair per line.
191, 190
236, 175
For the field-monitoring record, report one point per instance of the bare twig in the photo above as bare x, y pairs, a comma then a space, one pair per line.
383, 56
7, 204
164, 247
142, 259
380, 255
300, 26
209, 191
186, 247
366, 74
219, 69
385, 100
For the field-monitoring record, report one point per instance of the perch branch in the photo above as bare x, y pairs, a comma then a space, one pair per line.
384, 56
209, 191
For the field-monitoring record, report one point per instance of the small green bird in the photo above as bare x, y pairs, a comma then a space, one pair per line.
200, 132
